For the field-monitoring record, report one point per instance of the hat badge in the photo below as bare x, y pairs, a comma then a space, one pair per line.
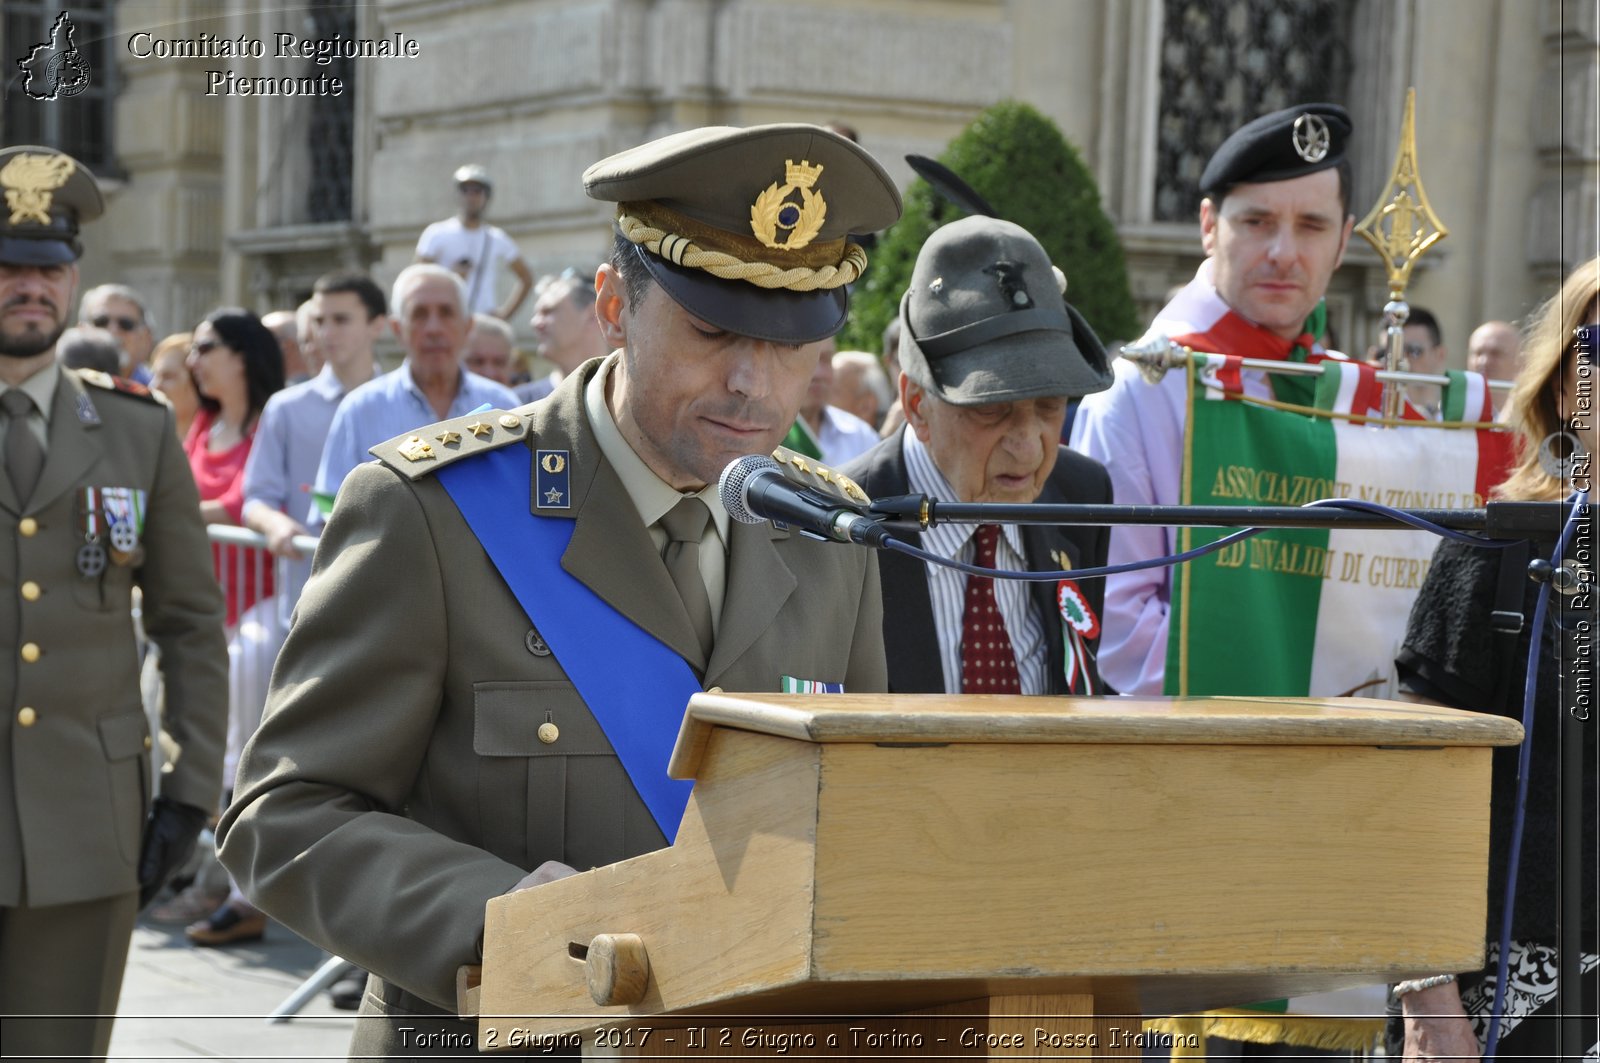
1008, 275
774, 211
1311, 138
29, 182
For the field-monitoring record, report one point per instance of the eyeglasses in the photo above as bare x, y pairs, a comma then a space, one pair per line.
1586, 341
126, 324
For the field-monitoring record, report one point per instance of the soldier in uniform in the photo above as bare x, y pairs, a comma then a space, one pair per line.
96, 498
509, 610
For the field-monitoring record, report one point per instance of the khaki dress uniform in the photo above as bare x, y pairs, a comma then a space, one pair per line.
423, 747
400, 778
74, 748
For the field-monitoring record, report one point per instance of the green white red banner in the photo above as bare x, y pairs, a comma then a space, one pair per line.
1311, 612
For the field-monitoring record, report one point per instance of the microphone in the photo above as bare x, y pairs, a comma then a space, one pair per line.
753, 489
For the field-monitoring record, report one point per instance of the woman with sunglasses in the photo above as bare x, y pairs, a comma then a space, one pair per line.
1452, 655
236, 364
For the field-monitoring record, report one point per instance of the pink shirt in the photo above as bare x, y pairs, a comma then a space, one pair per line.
220, 477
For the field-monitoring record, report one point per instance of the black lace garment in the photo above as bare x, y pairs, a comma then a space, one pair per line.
1453, 655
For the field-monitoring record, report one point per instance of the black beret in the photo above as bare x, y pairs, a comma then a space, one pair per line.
1279, 146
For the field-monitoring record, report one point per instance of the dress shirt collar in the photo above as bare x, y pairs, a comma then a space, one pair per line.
946, 540
651, 495
326, 383
41, 388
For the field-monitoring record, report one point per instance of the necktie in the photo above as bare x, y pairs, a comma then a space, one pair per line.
685, 525
988, 663
24, 455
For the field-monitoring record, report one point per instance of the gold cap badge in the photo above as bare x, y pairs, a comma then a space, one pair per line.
30, 182
773, 210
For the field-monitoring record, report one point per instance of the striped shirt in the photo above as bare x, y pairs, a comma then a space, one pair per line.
947, 588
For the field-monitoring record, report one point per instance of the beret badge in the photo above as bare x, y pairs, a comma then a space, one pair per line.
1311, 137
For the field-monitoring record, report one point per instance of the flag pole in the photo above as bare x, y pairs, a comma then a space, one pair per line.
1156, 356
1400, 227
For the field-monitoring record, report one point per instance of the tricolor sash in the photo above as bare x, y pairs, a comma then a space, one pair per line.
633, 683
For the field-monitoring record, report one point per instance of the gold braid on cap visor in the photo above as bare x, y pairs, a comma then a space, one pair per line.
685, 242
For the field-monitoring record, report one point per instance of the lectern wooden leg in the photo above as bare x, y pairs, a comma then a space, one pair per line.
1003, 1027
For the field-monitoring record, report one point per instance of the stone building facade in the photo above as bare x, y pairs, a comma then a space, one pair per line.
246, 199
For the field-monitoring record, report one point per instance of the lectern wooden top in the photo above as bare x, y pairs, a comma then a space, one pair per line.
924, 719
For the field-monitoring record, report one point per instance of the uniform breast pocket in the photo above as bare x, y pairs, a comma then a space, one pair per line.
550, 786
110, 591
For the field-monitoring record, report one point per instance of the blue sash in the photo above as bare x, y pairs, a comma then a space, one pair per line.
635, 685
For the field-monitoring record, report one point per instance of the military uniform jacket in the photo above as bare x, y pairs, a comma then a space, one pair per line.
74, 768
397, 781
910, 639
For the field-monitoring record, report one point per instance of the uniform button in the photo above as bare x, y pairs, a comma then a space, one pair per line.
30, 652
31, 591
548, 733
147, 743
27, 527
26, 716
714, 690
510, 420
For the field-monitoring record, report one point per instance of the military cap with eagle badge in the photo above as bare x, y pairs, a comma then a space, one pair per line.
48, 194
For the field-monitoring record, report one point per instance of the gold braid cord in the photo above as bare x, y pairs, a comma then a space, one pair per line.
681, 251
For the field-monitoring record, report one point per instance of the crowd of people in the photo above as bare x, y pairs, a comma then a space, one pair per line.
388, 782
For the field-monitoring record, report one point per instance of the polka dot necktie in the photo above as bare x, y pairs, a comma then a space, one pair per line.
988, 663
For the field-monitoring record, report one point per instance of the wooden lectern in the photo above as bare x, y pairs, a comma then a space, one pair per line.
1006, 876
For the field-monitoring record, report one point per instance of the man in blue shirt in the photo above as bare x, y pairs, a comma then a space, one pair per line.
431, 320
349, 315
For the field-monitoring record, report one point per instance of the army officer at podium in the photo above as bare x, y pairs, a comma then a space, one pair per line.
509, 610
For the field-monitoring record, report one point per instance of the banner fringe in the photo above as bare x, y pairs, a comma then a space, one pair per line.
1312, 1031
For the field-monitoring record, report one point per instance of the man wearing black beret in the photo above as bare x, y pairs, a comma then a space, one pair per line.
1274, 223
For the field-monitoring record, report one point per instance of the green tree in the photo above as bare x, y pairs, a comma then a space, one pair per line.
1016, 159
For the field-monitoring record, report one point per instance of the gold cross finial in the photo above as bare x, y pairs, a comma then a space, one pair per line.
1401, 226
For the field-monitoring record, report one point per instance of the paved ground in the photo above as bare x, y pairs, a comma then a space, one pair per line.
180, 1002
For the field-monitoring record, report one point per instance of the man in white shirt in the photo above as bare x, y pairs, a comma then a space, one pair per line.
825, 432
476, 250
1274, 223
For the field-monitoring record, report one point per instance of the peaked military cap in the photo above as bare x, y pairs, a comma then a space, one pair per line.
748, 229
985, 320
48, 194
1279, 146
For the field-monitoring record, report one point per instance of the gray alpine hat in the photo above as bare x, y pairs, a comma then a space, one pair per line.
985, 320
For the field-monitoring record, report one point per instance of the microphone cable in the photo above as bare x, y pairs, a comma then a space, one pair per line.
900, 546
